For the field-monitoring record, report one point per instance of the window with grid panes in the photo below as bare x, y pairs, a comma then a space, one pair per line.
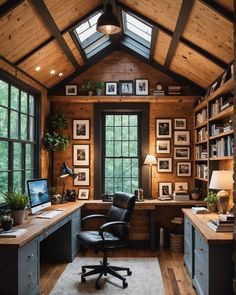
121, 152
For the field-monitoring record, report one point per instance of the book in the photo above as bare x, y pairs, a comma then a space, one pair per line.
221, 223
226, 217
13, 233
219, 229
200, 210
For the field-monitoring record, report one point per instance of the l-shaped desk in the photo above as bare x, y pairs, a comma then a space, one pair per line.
20, 257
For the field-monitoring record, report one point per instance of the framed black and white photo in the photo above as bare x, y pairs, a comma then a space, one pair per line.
181, 153
163, 128
83, 194
141, 86
111, 88
180, 123
163, 146
184, 169
71, 89
81, 154
126, 87
164, 164
181, 186
83, 177
182, 138
165, 189
81, 129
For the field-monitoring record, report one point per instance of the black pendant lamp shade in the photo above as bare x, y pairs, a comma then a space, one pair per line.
108, 23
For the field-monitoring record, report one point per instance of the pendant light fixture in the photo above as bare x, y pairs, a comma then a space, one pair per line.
108, 22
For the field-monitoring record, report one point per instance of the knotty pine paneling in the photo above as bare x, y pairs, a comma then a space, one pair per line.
162, 47
227, 4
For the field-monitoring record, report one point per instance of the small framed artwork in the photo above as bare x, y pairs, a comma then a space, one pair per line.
71, 89
163, 128
182, 138
111, 88
180, 124
184, 169
81, 154
82, 178
141, 86
163, 146
181, 153
164, 164
165, 189
83, 194
126, 87
81, 129
181, 186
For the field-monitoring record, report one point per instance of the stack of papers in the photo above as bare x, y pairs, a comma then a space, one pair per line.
200, 210
13, 233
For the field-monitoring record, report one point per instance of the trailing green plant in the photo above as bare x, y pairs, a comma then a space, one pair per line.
55, 141
57, 121
16, 200
211, 198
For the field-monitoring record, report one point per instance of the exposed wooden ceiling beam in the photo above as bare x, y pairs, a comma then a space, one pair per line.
153, 42
8, 6
219, 9
179, 29
51, 25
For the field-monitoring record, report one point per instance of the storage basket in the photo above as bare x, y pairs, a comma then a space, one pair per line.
176, 242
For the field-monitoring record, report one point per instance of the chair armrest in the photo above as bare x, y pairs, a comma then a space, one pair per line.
92, 216
111, 224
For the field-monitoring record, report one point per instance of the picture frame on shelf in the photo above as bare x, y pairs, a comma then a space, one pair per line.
71, 89
83, 177
111, 88
181, 186
142, 86
126, 87
162, 146
81, 129
181, 153
83, 194
182, 137
180, 123
81, 155
184, 169
165, 189
164, 164
163, 128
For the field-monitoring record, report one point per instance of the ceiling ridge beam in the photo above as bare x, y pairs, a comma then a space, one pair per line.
179, 29
48, 20
219, 9
8, 6
153, 42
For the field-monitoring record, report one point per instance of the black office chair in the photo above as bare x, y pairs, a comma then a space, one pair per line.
111, 235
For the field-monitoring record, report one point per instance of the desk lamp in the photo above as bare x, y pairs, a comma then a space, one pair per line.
222, 180
63, 173
150, 160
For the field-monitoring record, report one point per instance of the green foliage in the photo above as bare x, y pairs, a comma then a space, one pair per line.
55, 141
211, 198
99, 84
16, 200
58, 121
88, 85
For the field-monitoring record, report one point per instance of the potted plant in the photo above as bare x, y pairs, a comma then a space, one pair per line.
99, 85
17, 203
88, 86
55, 141
211, 201
6, 222
195, 193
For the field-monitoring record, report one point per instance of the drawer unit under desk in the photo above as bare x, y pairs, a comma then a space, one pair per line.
188, 246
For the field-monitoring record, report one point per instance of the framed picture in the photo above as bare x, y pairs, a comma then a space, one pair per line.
141, 86
164, 164
180, 123
181, 186
182, 138
181, 153
165, 189
111, 88
71, 89
81, 154
163, 128
163, 146
184, 169
83, 194
82, 178
126, 87
81, 129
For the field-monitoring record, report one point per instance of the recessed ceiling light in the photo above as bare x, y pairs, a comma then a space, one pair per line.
52, 72
60, 74
38, 68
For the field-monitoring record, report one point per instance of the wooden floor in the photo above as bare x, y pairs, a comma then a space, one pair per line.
175, 278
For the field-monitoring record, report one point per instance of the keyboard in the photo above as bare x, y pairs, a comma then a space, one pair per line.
49, 214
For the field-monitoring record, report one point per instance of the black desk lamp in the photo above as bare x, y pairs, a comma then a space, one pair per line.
63, 173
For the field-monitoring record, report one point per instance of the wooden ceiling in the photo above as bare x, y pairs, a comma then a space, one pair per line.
192, 39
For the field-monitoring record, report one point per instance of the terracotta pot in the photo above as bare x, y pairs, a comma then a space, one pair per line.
211, 207
18, 216
195, 196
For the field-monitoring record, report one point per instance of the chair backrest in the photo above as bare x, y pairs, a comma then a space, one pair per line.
121, 210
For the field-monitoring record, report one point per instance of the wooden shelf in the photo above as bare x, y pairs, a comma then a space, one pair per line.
201, 142
201, 125
221, 158
226, 87
201, 160
224, 114
201, 179
222, 134
200, 106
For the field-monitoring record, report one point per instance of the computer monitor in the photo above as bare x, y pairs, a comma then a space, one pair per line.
38, 194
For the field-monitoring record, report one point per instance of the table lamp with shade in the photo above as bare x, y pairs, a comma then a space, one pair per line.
150, 160
222, 180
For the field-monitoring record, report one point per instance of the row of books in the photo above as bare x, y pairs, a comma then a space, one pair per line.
202, 134
215, 108
181, 196
201, 152
222, 224
222, 148
174, 90
201, 117
158, 93
202, 171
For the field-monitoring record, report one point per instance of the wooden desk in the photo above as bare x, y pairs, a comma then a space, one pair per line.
20, 257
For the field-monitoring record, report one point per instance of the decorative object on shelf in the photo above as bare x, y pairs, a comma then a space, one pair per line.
184, 169
108, 22
81, 154
165, 189
211, 201
111, 88
174, 90
180, 123
159, 90
81, 129
150, 160
195, 193
181, 153
7, 222
141, 86
162, 146
222, 180
83, 177
88, 87
163, 128
83, 194
99, 86
164, 164
181, 186
71, 89
126, 87
181, 137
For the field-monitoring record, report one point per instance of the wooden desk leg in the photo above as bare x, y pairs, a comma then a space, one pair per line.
153, 229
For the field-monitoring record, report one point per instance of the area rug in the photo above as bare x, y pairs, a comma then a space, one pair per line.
145, 279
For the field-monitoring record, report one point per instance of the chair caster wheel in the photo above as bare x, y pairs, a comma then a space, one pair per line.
97, 286
83, 270
83, 280
125, 284
129, 272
